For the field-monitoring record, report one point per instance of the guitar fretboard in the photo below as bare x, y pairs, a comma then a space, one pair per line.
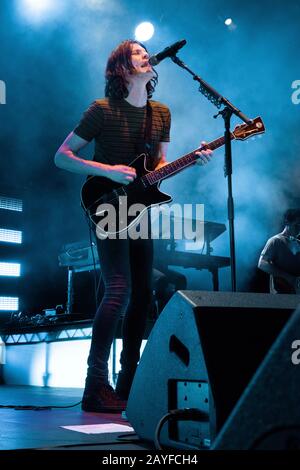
181, 163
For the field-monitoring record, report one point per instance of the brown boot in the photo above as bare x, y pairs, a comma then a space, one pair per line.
100, 397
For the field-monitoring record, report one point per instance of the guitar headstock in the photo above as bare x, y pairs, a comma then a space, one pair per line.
244, 131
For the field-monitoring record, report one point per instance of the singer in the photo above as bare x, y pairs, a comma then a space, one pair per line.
120, 124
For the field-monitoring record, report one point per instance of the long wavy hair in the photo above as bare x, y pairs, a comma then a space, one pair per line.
119, 62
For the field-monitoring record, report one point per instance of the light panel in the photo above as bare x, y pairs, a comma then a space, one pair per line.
9, 304
10, 269
11, 204
10, 236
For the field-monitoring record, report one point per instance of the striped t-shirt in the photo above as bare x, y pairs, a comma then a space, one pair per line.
118, 129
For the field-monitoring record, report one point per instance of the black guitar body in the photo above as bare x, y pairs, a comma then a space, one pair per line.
99, 195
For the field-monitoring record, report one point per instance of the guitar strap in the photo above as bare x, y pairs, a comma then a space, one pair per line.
148, 128
144, 145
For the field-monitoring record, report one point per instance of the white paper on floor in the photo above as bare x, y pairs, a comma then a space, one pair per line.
99, 428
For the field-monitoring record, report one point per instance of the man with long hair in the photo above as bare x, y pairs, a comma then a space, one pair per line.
117, 124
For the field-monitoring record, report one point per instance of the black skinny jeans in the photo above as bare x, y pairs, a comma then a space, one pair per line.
126, 267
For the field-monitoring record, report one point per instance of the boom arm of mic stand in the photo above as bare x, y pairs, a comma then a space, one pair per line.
218, 100
210, 93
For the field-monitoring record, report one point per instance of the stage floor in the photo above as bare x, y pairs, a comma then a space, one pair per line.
44, 429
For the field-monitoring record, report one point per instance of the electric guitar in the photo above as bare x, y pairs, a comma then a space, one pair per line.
108, 204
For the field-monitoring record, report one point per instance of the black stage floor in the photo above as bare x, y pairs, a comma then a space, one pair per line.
44, 429
33, 437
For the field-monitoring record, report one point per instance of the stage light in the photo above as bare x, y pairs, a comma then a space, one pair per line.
10, 236
144, 31
38, 10
10, 269
11, 204
9, 304
11, 210
230, 24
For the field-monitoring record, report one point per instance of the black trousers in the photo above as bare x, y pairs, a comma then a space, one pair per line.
126, 267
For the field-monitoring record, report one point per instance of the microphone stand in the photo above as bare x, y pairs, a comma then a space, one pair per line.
218, 100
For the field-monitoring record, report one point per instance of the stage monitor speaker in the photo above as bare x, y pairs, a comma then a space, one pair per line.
267, 416
201, 354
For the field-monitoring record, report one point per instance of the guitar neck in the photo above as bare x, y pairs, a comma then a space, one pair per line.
183, 162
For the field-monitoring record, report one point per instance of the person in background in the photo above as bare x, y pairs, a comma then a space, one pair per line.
280, 257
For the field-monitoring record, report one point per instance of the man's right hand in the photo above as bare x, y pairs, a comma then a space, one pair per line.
121, 174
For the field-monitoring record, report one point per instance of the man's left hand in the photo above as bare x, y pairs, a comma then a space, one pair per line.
204, 155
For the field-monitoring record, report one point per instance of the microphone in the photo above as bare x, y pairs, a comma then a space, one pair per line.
167, 52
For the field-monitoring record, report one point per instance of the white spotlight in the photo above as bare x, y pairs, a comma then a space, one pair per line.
144, 31
231, 26
36, 11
